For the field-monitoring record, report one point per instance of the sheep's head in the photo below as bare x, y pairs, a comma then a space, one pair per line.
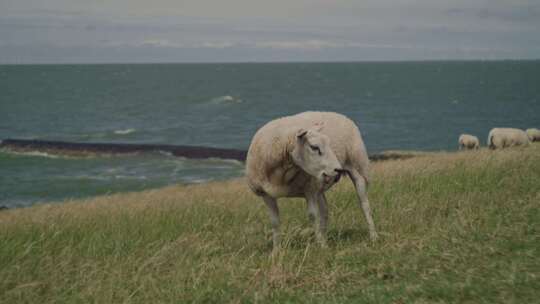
312, 153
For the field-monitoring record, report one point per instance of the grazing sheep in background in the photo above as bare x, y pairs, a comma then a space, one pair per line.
303, 156
467, 141
500, 138
533, 134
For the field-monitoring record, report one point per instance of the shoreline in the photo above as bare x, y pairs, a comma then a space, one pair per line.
84, 150
389, 156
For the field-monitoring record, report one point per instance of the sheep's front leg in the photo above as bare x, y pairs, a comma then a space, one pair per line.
312, 210
323, 219
317, 209
273, 209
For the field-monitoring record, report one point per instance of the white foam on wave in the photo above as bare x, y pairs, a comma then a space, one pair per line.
226, 99
131, 177
201, 180
55, 154
225, 161
196, 180
32, 153
124, 132
165, 153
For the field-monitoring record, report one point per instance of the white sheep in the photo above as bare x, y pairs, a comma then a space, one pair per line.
533, 134
303, 156
467, 141
499, 138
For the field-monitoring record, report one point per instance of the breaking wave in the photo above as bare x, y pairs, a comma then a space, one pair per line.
31, 153
226, 99
124, 132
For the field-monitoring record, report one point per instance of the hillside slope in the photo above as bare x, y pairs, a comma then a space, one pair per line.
454, 227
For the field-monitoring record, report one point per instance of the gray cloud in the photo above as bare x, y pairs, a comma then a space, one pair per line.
514, 13
242, 30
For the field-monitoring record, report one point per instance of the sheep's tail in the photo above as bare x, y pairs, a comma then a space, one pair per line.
490, 140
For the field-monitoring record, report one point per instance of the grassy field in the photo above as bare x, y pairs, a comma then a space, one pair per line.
454, 228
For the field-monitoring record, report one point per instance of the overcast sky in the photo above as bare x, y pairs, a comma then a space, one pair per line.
81, 31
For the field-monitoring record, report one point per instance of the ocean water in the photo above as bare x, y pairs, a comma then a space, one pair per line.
407, 105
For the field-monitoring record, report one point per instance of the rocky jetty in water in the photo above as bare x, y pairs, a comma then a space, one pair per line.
84, 149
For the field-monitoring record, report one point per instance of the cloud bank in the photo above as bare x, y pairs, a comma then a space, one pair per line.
241, 30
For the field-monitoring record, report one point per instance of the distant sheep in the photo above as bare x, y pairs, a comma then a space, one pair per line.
469, 142
533, 134
500, 138
303, 156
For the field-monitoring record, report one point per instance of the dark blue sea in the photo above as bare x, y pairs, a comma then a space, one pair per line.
398, 106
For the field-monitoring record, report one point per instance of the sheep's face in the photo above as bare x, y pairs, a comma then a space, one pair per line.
312, 153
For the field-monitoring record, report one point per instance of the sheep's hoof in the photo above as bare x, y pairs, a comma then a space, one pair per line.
306, 232
322, 242
374, 236
275, 252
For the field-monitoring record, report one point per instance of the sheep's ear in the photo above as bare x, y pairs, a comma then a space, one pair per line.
300, 134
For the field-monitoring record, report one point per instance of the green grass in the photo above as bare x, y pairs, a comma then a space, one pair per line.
454, 228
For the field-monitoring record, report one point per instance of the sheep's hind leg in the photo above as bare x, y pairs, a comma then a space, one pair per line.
361, 190
273, 209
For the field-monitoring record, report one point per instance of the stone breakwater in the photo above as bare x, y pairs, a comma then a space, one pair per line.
85, 149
